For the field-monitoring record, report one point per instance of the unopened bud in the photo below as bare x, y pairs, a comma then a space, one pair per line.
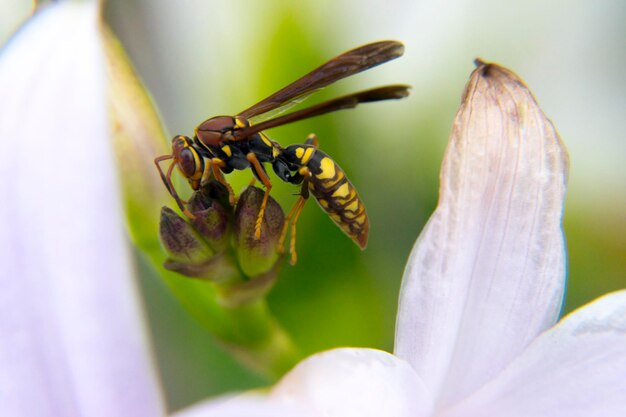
220, 245
189, 252
213, 213
257, 255
180, 240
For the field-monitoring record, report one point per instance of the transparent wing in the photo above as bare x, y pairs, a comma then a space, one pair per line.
346, 102
342, 66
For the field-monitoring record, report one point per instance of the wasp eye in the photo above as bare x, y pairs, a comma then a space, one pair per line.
187, 162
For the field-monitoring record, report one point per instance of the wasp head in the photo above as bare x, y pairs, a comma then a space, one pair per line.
188, 160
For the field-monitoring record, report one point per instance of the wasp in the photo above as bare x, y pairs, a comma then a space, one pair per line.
222, 144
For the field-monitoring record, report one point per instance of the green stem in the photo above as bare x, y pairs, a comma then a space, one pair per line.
246, 329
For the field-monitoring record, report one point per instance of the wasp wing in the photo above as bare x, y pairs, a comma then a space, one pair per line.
270, 114
345, 102
344, 65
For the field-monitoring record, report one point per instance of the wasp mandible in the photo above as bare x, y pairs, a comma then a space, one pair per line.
222, 144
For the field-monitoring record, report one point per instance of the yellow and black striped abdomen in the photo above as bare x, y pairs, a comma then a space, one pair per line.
338, 197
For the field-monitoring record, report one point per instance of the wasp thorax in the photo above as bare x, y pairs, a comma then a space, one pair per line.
213, 131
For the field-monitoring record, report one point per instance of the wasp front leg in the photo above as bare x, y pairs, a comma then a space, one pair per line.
167, 180
260, 173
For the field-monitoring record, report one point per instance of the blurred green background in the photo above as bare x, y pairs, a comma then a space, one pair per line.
201, 59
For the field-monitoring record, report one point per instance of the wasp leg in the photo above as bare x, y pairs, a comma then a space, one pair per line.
292, 219
213, 167
312, 140
262, 176
167, 180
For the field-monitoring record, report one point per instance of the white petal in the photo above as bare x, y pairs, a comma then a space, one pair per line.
487, 273
72, 340
247, 405
337, 383
577, 369
354, 382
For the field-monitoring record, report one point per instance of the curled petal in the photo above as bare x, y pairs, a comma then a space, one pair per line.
576, 369
70, 321
487, 274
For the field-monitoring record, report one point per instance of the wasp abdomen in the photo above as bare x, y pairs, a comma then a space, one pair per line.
338, 197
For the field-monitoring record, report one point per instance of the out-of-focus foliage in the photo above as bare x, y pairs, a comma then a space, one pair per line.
201, 59
14, 13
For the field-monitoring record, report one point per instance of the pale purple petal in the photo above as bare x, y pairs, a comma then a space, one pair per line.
354, 382
71, 336
576, 369
347, 382
487, 274
245, 405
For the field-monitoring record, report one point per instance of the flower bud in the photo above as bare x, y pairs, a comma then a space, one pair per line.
257, 256
180, 240
219, 244
190, 250
213, 213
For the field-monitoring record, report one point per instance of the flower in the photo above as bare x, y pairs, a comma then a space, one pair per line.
481, 291
481, 294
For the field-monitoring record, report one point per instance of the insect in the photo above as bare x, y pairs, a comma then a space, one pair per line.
222, 144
